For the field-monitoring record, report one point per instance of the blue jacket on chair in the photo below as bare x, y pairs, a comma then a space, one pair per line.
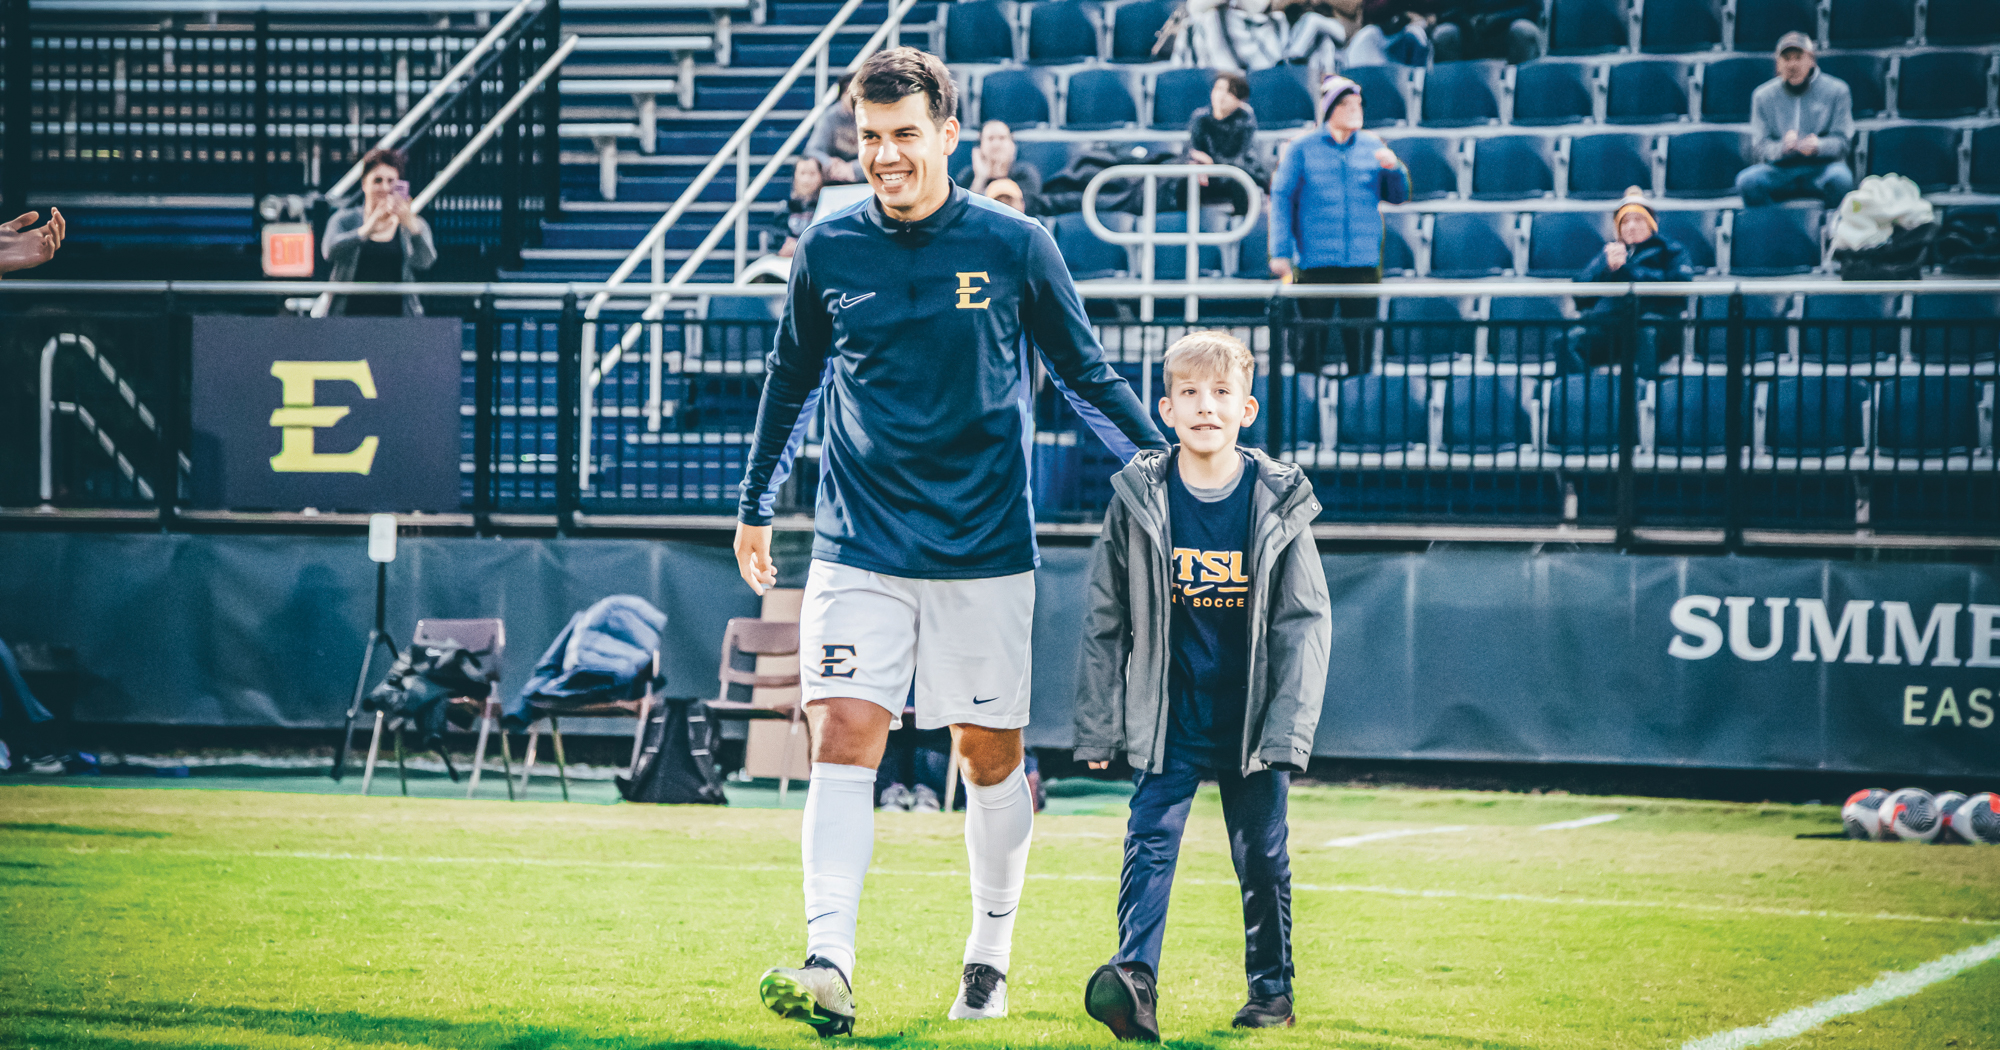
1326, 200
606, 649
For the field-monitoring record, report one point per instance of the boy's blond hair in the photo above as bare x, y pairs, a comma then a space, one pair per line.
1210, 353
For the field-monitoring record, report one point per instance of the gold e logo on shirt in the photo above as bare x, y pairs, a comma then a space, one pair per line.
966, 290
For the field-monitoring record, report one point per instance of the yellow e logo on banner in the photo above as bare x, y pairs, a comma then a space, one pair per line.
300, 417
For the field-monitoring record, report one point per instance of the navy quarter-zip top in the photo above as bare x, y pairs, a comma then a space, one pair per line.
917, 341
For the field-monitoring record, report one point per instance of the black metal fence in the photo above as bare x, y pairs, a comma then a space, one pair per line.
1805, 412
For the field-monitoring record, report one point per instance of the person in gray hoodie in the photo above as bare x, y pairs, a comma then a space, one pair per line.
1204, 657
1801, 129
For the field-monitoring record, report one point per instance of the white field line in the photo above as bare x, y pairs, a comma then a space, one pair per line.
1378, 836
1890, 987
787, 869
1580, 822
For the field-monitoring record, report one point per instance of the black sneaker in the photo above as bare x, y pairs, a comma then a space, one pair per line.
1265, 1012
1124, 997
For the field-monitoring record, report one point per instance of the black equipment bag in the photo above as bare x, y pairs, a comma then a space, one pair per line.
1969, 243
1900, 258
420, 683
675, 765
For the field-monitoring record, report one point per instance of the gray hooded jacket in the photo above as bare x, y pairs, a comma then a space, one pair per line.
1121, 704
1823, 107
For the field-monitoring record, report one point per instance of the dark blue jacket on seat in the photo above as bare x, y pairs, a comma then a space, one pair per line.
605, 651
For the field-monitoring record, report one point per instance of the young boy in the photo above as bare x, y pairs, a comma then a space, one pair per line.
1204, 657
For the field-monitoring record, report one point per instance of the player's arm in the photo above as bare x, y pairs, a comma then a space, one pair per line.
1052, 312
1107, 646
792, 376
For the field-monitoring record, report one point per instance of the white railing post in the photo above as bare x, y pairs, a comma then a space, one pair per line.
742, 214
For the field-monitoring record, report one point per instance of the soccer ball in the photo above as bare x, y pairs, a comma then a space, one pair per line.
1911, 814
1977, 819
1862, 814
1947, 803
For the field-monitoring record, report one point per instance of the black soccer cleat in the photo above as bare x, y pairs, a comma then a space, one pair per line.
1273, 1011
1125, 997
817, 994
982, 994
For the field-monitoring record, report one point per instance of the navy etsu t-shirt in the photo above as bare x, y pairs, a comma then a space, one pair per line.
1209, 678
917, 340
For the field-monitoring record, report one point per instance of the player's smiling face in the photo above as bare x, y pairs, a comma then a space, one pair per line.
1207, 411
904, 154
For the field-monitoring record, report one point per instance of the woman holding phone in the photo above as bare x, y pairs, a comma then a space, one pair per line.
380, 239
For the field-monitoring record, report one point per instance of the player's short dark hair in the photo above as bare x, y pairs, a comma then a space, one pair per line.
392, 157
890, 76
1239, 85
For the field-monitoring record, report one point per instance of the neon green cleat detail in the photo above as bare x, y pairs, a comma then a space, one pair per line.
815, 994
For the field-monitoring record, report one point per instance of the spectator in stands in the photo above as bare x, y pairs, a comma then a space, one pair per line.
22, 248
1641, 255
834, 142
1391, 31
1241, 36
1801, 125
380, 239
1225, 132
1326, 221
1488, 29
1008, 192
800, 204
998, 157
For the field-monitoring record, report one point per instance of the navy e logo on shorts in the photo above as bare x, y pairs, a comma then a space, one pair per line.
830, 659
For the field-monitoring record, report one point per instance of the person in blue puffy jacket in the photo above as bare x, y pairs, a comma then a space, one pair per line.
1326, 219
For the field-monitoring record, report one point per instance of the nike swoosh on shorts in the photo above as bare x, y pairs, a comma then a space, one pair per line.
988, 700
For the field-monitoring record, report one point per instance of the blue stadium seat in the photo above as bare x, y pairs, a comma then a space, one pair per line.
1433, 164
1775, 241
1548, 92
1253, 253
1047, 158
1062, 31
1399, 240
1583, 415
1098, 99
1442, 330
1813, 415
1955, 22
1925, 154
1177, 93
1562, 243
1956, 329
1523, 329
1586, 27
1865, 76
1986, 160
1601, 167
1764, 330
977, 31
1018, 96
1513, 167
1280, 97
1677, 26
1382, 414
1086, 254
1928, 416
1484, 414
1872, 23
1705, 163
1135, 28
1170, 261
1693, 230
1461, 94
1849, 329
1759, 23
1382, 99
1690, 415
1726, 86
1938, 85
1471, 244
1652, 92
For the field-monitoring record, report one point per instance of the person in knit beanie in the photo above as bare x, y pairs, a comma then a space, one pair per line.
1637, 254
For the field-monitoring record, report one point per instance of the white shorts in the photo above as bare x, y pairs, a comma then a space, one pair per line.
964, 642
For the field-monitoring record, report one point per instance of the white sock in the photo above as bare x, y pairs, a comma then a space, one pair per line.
837, 844
999, 824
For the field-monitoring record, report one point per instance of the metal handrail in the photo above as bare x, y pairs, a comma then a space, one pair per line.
1149, 236
472, 148
431, 97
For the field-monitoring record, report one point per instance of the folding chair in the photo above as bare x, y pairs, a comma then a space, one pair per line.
598, 704
753, 637
485, 638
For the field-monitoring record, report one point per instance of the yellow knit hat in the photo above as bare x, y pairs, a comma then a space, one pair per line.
1635, 200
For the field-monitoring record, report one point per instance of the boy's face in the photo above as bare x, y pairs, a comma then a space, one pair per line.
1207, 410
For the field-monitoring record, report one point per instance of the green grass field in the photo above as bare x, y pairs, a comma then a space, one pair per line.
142, 918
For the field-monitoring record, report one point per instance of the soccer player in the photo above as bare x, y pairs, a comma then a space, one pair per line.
1214, 543
912, 321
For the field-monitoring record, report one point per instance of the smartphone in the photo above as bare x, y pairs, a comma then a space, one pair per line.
401, 188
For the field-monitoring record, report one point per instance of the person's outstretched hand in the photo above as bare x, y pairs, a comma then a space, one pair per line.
22, 248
